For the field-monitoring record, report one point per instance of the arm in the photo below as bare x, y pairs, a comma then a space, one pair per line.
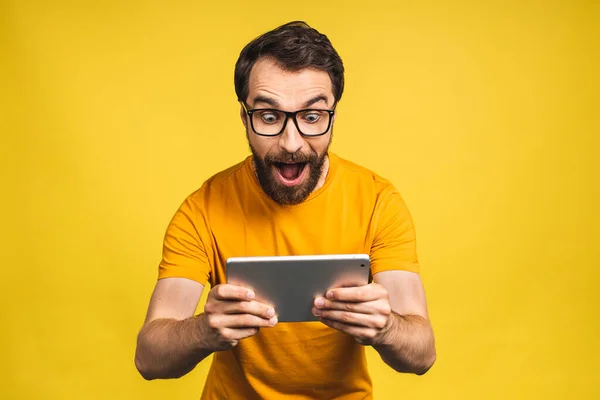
172, 341
389, 314
408, 345
169, 344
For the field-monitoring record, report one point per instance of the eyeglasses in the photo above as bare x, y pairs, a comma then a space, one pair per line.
272, 122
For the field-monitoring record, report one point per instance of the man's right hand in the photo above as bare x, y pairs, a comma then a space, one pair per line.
232, 314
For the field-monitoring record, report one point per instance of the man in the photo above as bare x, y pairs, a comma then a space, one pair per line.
291, 197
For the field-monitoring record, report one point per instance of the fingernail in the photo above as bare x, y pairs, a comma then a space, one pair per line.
330, 295
316, 311
270, 312
273, 321
319, 302
250, 294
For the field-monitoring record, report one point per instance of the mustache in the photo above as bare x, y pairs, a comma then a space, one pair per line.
291, 158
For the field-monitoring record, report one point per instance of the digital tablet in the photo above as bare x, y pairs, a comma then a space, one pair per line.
291, 283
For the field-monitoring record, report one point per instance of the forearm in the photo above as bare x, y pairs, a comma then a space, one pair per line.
408, 345
169, 348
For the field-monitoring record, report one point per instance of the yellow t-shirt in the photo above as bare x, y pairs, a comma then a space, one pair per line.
355, 211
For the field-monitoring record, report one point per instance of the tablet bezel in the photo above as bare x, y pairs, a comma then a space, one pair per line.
290, 283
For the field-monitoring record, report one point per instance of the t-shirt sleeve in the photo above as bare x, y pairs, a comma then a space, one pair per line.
184, 254
394, 244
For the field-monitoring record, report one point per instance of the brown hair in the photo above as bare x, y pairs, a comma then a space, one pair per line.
294, 46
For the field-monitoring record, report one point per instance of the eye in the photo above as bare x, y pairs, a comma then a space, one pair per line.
311, 117
269, 117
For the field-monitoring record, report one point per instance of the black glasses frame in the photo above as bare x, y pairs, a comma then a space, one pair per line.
288, 115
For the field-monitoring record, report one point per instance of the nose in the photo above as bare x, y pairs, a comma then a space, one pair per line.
290, 140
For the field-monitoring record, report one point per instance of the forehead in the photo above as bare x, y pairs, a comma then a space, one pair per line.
289, 88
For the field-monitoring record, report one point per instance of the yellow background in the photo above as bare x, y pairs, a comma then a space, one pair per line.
484, 114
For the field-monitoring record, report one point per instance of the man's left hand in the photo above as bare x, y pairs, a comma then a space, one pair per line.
363, 312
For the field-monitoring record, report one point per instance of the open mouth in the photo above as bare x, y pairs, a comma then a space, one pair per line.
290, 174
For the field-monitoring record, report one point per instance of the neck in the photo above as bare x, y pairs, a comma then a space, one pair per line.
323, 173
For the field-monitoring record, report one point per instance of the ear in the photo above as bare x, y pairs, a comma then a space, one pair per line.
244, 116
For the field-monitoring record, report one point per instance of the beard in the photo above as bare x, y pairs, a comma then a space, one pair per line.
266, 168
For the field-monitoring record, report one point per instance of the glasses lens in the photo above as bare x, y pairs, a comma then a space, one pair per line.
268, 122
313, 122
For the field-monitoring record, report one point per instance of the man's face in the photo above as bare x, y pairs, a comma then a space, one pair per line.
289, 166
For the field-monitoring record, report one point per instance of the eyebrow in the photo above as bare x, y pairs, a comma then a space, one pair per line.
266, 100
315, 100
274, 103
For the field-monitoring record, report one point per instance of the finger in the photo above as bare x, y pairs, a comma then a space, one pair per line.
238, 334
370, 307
361, 334
376, 321
227, 291
357, 294
246, 307
243, 321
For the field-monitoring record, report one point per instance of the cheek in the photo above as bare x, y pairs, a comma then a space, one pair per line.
320, 144
261, 145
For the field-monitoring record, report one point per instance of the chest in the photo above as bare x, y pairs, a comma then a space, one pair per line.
325, 227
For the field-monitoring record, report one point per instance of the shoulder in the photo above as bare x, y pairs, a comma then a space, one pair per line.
220, 184
351, 171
